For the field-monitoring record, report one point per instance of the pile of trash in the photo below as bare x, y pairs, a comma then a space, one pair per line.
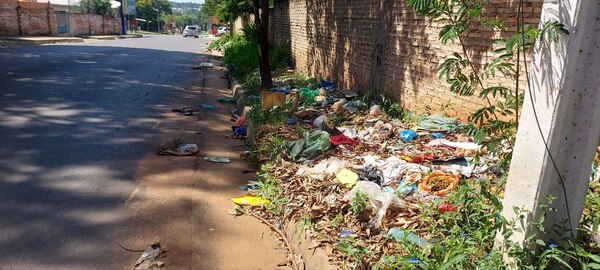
326, 168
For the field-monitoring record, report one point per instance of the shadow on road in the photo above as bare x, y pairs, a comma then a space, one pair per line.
74, 122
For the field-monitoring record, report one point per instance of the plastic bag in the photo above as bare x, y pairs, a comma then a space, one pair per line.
285, 88
217, 159
309, 94
320, 120
312, 145
375, 111
408, 135
347, 177
250, 200
327, 85
355, 106
187, 149
379, 201
399, 235
439, 122
338, 105
461, 145
394, 168
324, 168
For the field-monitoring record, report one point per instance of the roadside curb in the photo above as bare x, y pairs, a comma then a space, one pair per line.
307, 251
312, 256
23, 41
111, 37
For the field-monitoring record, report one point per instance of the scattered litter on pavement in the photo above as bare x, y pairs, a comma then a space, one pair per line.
217, 159
204, 65
148, 259
207, 106
187, 149
250, 201
184, 111
227, 100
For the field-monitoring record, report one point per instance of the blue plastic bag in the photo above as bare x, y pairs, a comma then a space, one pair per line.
408, 135
436, 135
327, 85
240, 131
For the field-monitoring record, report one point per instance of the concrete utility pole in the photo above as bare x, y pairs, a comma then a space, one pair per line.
565, 101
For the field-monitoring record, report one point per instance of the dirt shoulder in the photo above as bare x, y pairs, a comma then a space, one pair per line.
183, 201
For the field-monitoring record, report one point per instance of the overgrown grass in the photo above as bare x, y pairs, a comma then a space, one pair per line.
269, 189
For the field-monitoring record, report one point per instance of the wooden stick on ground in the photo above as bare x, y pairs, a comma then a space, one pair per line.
285, 240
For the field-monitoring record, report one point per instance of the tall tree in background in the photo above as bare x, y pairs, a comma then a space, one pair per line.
229, 10
100, 7
151, 10
261, 18
208, 9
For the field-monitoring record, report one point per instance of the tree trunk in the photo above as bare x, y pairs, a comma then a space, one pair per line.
261, 15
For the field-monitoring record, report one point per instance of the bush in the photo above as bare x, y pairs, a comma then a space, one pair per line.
241, 56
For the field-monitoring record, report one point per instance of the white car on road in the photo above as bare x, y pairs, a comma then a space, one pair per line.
222, 30
191, 31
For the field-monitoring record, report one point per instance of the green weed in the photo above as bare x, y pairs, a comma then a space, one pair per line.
358, 204
355, 253
269, 189
304, 225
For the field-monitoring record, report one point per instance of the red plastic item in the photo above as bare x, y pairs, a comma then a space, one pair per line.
341, 139
444, 207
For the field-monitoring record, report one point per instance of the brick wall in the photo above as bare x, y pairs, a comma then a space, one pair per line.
26, 18
382, 43
92, 24
35, 19
8, 18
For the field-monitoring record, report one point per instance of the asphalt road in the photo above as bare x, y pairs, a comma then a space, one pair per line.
74, 122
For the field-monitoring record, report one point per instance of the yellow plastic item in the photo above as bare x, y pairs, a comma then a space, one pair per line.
406, 158
250, 200
347, 177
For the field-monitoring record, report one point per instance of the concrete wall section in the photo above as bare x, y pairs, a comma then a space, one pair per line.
383, 43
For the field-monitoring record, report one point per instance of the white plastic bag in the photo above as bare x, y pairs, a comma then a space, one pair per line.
379, 201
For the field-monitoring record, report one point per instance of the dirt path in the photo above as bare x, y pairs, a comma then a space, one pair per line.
184, 200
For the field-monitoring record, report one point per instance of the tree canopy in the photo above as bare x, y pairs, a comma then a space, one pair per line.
100, 7
151, 10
